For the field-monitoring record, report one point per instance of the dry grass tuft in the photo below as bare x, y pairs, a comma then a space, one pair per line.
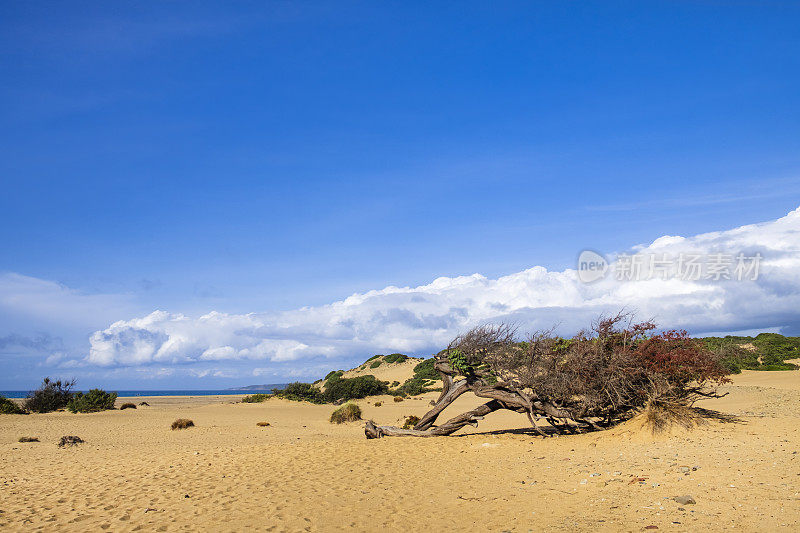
378, 404
398, 398
262, 424
410, 422
70, 440
127, 406
28, 439
662, 416
145, 404
182, 423
349, 412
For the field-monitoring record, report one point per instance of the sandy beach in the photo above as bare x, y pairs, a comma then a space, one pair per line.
302, 473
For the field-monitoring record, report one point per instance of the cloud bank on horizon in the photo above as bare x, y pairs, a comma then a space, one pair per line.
420, 320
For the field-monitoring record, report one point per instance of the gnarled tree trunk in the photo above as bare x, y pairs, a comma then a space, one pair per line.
501, 396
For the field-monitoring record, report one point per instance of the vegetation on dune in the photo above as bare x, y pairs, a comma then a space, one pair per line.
395, 358
50, 396
262, 424
765, 351
127, 406
426, 370
376, 364
7, 407
354, 388
93, 401
421, 382
256, 398
334, 374
28, 439
300, 392
349, 412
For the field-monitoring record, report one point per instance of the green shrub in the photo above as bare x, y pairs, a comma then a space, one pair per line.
770, 351
395, 383
256, 398
376, 364
93, 401
50, 396
425, 370
182, 423
354, 388
410, 422
301, 392
373, 357
411, 387
395, 358
334, 374
7, 407
349, 412
778, 366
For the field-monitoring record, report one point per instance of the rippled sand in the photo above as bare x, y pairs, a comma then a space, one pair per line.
303, 474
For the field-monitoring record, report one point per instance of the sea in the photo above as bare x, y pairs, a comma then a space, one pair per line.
125, 393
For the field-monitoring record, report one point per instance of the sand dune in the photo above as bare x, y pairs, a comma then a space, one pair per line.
303, 474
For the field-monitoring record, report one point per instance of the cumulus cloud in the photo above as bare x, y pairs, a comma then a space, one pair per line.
423, 319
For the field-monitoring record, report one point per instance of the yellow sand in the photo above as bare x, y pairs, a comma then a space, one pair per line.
390, 372
303, 474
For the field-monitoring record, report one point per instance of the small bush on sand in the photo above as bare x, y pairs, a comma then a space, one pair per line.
262, 424
7, 407
182, 423
93, 401
127, 406
378, 404
28, 439
145, 404
50, 396
256, 398
301, 392
410, 422
70, 440
354, 388
398, 398
349, 412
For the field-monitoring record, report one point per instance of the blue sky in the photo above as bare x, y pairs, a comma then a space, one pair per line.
261, 157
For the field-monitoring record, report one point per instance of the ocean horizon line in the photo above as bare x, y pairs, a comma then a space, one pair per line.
17, 394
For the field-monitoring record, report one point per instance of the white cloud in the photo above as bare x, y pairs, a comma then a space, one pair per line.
24, 298
422, 319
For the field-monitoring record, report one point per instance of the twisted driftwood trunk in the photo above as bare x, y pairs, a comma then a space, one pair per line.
501, 395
